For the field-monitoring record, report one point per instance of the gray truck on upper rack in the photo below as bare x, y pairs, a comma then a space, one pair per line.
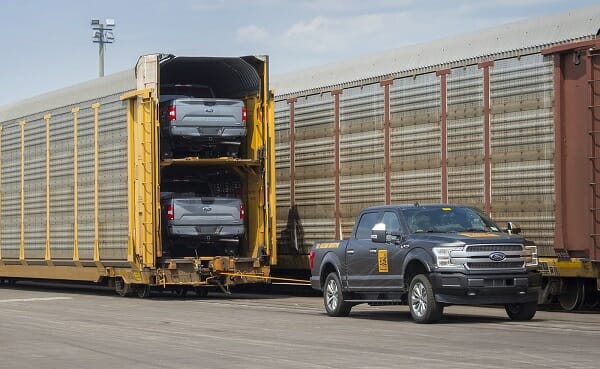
428, 257
195, 122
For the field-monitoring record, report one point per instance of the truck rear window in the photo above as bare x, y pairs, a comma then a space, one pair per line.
187, 188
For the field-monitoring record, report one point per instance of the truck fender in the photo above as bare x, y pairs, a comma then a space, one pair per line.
329, 260
420, 255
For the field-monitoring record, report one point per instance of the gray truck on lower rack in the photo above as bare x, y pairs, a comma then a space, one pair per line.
429, 257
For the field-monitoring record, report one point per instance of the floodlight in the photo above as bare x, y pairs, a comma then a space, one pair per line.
102, 34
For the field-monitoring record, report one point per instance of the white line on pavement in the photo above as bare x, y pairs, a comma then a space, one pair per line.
37, 299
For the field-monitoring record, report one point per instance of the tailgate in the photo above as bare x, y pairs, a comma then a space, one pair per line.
208, 112
207, 211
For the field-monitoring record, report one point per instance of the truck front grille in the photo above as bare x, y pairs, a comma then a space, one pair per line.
481, 257
494, 265
492, 248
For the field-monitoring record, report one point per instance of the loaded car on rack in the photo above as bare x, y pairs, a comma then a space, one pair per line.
202, 211
427, 257
194, 122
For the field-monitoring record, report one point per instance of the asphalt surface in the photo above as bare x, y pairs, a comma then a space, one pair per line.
87, 327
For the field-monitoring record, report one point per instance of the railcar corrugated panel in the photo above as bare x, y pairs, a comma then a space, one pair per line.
315, 166
28, 141
361, 152
415, 139
465, 126
283, 175
522, 143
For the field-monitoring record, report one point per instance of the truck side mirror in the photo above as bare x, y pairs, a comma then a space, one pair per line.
513, 228
378, 233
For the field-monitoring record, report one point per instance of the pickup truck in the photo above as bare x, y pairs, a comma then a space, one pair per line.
429, 257
194, 122
196, 221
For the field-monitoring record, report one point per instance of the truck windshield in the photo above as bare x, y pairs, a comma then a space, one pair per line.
448, 219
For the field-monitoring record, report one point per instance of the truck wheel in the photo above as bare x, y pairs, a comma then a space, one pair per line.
334, 298
421, 300
521, 312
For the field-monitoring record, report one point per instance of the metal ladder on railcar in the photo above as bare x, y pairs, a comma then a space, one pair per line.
593, 71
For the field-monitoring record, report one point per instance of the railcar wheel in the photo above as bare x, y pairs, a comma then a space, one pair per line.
123, 289
181, 291
201, 291
143, 291
572, 296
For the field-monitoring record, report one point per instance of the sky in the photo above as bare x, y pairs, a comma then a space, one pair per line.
47, 44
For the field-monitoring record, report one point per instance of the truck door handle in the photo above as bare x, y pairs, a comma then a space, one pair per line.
373, 251
350, 252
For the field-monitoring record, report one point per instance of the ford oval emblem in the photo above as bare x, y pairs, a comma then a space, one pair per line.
497, 256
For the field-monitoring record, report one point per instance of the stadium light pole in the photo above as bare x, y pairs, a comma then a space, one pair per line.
102, 34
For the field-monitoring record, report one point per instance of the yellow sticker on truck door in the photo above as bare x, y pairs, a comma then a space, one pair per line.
382, 261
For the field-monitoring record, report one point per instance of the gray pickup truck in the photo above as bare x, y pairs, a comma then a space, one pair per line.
198, 221
427, 257
194, 122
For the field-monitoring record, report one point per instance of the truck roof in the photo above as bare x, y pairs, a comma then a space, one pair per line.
406, 206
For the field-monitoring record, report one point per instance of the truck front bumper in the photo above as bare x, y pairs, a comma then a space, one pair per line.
485, 289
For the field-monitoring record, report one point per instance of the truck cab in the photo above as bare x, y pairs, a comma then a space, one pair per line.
428, 257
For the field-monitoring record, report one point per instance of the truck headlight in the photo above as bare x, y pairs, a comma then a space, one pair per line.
443, 258
531, 256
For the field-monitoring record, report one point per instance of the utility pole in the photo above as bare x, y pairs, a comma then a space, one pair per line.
102, 34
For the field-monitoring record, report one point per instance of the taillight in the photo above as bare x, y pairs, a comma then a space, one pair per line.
170, 212
311, 259
242, 212
244, 114
172, 113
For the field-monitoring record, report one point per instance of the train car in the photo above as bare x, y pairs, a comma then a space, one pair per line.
505, 119
81, 175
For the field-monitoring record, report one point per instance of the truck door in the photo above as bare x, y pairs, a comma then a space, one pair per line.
361, 254
390, 256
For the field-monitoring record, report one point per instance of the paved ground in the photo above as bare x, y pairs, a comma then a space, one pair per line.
93, 328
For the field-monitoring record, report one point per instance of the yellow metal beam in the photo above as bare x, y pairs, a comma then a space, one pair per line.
96, 107
571, 268
144, 206
211, 161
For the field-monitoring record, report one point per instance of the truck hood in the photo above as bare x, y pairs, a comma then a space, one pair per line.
467, 237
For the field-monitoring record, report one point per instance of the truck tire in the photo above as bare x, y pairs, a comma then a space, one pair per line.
421, 301
333, 297
521, 312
